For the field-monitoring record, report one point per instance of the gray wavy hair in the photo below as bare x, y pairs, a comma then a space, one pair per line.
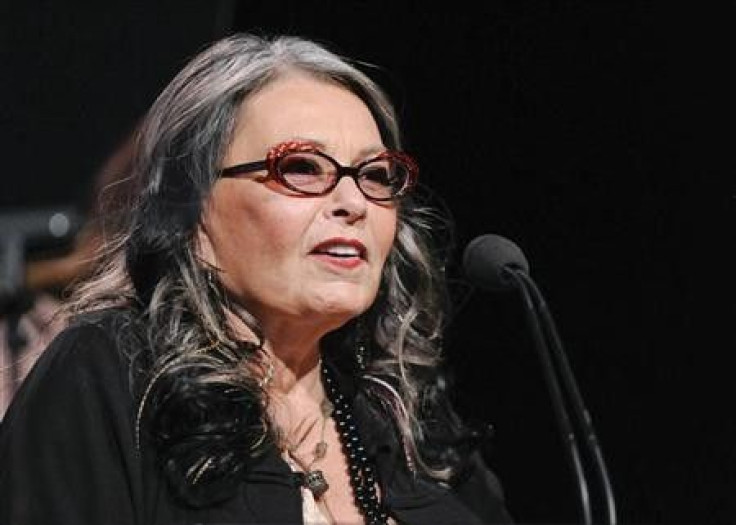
152, 263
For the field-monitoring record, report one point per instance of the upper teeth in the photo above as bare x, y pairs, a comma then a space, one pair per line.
343, 250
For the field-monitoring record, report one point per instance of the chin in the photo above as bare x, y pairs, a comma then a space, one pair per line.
344, 305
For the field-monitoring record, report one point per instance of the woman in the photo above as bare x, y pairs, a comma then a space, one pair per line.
262, 344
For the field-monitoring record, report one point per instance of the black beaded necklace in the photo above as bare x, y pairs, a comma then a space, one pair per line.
362, 472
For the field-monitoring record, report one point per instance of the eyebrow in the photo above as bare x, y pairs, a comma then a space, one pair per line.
365, 152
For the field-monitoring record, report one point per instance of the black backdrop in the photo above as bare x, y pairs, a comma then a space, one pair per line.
596, 135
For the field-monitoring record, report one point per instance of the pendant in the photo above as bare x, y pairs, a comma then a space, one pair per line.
320, 450
315, 481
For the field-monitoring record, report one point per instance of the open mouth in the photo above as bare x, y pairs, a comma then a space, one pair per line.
341, 249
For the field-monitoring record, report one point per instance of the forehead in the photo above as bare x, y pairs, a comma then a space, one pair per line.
299, 106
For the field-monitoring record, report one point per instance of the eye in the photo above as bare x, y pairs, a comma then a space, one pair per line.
300, 165
378, 174
383, 178
306, 172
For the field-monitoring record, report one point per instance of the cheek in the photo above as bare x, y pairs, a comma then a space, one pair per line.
252, 229
385, 231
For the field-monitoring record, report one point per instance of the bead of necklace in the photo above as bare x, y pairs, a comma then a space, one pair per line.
363, 476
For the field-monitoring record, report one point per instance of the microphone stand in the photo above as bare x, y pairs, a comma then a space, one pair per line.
544, 331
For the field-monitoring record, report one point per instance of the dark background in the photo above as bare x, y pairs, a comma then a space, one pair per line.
598, 136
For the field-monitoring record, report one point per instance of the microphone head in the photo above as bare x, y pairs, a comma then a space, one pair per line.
485, 259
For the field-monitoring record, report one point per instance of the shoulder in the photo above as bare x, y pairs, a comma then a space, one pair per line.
85, 357
451, 441
480, 490
472, 495
72, 424
94, 340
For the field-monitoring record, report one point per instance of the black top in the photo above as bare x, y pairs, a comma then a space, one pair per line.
68, 455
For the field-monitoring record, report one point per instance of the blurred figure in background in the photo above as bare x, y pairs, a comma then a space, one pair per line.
29, 324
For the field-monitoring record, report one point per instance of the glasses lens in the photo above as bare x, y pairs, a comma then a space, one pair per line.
383, 178
306, 172
315, 174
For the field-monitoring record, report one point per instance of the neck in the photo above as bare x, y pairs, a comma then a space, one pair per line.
294, 350
296, 395
297, 369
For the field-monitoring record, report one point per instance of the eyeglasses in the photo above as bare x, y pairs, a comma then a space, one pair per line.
303, 168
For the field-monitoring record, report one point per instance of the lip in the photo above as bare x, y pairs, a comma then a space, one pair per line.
320, 251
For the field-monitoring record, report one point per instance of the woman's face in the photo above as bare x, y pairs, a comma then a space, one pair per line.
307, 261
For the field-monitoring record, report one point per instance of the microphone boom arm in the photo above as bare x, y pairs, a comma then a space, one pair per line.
527, 284
567, 433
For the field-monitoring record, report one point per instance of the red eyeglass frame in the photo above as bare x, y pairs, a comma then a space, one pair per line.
278, 152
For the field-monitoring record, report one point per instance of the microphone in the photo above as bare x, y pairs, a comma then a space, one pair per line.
487, 258
495, 263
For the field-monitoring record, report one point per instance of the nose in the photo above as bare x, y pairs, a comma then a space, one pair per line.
347, 201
